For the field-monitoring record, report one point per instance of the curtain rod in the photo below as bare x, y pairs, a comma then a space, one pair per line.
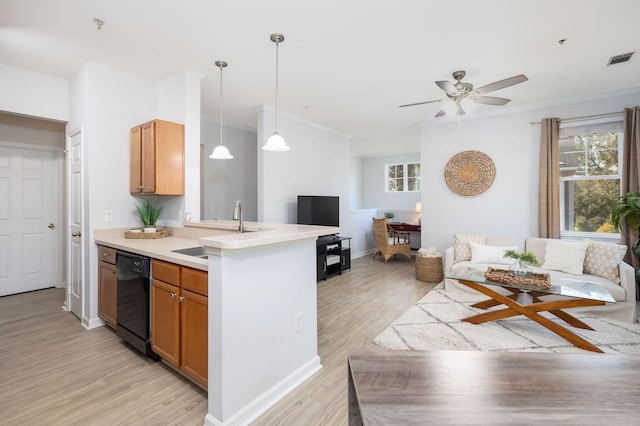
610, 114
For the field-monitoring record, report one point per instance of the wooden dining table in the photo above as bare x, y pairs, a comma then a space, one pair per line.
388, 387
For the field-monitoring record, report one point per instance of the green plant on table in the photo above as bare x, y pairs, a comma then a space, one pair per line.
527, 257
148, 212
389, 215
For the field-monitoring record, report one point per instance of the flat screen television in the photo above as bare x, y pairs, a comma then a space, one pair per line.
319, 210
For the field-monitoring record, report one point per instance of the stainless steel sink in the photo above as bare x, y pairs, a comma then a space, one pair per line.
198, 251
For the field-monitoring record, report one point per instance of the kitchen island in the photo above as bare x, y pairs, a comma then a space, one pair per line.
262, 309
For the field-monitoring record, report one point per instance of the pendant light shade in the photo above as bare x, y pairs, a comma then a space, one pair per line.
221, 152
276, 142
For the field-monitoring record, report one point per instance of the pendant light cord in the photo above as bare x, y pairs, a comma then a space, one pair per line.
277, 67
221, 105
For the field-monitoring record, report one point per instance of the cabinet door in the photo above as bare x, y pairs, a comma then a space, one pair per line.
165, 321
148, 157
107, 292
135, 160
195, 322
321, 267
169, 157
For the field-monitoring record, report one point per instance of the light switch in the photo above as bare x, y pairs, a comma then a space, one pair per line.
108, 215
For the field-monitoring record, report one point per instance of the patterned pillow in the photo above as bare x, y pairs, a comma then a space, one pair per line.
603, 260
461, 248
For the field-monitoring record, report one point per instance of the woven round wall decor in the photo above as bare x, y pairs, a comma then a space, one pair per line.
469, 173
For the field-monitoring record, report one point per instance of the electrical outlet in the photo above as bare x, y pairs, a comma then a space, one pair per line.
297, 322
108, 215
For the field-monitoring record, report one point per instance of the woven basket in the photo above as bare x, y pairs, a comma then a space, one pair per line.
470, 173
429, 269
146, 235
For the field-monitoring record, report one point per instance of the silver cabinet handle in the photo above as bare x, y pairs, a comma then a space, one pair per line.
181, 298
173, 295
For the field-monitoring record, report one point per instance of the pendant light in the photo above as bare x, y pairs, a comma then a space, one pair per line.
221, 152
275, 141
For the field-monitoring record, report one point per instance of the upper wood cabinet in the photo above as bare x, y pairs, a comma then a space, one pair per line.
157, 158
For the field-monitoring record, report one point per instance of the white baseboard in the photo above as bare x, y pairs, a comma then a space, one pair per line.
268, 399
92, 323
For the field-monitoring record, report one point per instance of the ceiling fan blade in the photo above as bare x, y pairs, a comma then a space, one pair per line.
501, 84
447, 86
491, 100
441, 113
420, 103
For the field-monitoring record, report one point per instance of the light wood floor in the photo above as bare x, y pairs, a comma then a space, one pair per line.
54, 372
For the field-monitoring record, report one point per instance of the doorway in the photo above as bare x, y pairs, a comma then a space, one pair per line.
30, 218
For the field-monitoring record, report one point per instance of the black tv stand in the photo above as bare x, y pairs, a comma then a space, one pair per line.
333, 255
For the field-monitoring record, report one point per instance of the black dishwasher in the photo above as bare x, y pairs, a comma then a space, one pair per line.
133, 299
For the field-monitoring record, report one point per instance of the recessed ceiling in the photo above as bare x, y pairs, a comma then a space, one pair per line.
346, 65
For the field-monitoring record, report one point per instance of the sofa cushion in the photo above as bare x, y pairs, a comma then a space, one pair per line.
603, 260
565, 256
481, 253
461, 248
537, 246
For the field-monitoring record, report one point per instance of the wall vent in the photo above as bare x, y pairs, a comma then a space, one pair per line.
618, 59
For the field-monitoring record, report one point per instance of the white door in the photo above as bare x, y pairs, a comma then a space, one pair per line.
28, 217
74, 225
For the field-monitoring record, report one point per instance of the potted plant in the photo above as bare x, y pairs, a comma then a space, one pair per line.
520, 266
627, 211
389, 215
148, 212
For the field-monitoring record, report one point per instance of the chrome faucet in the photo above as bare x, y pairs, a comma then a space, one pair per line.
237, 215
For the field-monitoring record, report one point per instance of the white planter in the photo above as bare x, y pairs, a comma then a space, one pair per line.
150, 230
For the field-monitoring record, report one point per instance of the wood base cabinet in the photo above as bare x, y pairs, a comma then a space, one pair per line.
179, 318
107, 285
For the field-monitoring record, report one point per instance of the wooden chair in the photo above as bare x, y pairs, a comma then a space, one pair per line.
389, 242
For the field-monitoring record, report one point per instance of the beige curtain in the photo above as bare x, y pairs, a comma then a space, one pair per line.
630, 169
549, 183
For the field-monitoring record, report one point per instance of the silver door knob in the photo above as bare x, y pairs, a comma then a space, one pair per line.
75, 234
51, 226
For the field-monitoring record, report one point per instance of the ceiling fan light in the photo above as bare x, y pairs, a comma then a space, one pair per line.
221, 153
276, 143
468, 105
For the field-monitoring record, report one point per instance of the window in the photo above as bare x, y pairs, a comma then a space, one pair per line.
590, 163
403, 177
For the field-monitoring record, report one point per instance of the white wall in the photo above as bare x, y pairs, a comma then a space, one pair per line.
179, 101
21, 129
374, 183
356, 182
317, 164
37, 95
510, 206
225, 181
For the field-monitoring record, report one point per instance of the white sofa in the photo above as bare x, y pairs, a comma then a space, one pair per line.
624, 293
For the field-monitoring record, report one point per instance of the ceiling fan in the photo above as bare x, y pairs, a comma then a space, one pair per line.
460, 91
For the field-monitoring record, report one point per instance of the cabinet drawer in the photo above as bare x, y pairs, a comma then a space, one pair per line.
165, 271
195, 280
107, 254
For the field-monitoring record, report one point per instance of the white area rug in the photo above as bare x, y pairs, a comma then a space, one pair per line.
434, 324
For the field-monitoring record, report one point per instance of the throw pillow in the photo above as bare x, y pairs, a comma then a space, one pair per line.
565, 256
481, 253
603, 260
461, 249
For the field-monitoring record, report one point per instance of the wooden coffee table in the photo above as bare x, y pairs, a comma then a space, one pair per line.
492, 388
525, 300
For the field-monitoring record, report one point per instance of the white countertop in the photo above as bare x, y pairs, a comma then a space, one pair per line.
257, 234
216, 235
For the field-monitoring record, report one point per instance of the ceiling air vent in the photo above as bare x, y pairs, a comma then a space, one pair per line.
618, 59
